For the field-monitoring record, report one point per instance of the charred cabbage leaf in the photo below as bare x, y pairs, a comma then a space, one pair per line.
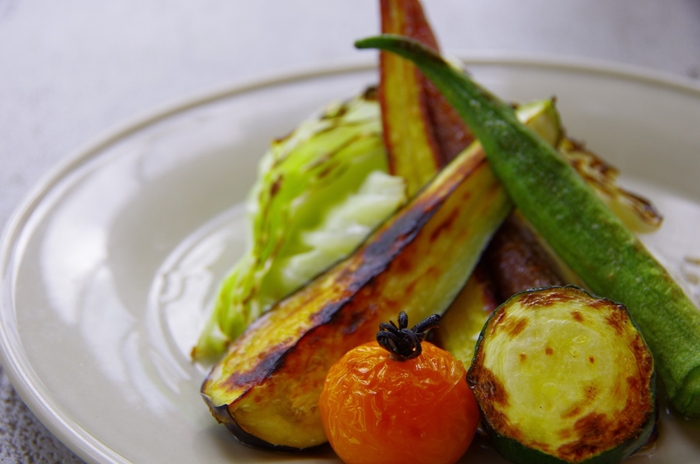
320, 192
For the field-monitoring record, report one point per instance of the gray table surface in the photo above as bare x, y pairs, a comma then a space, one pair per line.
71, 70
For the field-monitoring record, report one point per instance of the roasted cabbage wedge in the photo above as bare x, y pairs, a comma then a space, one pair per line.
564, 377
321, 190
267, 387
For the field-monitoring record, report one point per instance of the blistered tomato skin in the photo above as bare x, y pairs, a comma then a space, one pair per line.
379, 410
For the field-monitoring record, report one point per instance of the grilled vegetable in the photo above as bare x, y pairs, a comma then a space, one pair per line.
514, 261
636, 212
564, 377
517, 262
308, 209
267, 387
399, 399
408, 134
581, 229
488, 285
422, 132
466, 316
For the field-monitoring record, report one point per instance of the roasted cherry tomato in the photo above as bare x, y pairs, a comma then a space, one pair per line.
411, 404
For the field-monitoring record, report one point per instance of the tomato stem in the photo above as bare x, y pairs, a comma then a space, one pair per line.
401, 342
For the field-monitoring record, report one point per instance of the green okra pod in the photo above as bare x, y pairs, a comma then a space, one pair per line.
582, 230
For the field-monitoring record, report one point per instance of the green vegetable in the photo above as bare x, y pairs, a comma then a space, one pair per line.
462, 322
564, 377
636, 212
321, 191
581, 229
266, 388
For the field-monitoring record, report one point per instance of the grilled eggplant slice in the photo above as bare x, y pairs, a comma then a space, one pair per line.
564, 377
269, 383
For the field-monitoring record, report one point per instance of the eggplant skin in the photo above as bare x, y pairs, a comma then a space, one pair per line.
270, 381
564, 377
223, 416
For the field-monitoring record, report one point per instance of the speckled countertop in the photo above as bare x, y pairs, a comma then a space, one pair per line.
71, 70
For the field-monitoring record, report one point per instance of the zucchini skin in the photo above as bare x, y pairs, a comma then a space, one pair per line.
518, 453
586, 451
581, 229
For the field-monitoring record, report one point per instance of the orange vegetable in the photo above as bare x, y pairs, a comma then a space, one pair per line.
411, 405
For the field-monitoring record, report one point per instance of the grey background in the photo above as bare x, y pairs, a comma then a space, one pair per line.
70, 70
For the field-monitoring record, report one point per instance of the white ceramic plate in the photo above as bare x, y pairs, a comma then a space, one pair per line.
108, 267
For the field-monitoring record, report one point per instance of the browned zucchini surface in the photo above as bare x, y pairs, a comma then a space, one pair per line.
562, 376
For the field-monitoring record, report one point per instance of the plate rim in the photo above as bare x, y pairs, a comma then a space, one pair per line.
17, 368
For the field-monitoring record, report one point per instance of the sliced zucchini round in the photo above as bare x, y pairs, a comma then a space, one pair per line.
564, 377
